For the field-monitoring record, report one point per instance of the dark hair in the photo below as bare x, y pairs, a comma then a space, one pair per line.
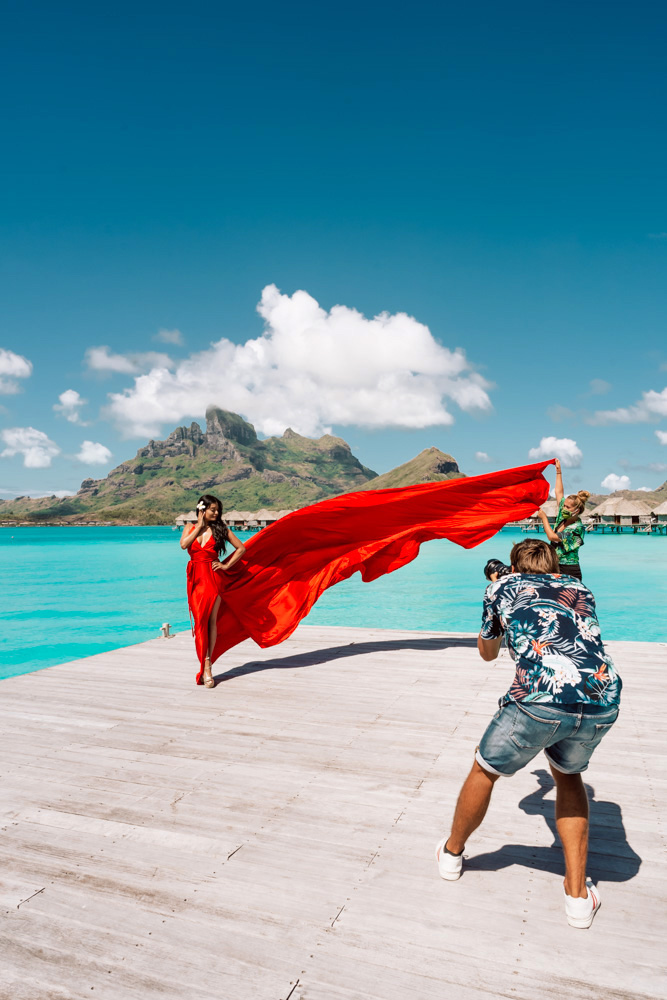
218, 527
534, 556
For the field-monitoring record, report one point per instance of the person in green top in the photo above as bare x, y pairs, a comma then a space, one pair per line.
567, 534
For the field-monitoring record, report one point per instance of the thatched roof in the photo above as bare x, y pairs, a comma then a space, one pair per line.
190, 516
266, 515
622, 507
661, 508
550, 508
248, 515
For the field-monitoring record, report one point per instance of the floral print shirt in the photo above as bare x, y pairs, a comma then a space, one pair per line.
553, 636
571, 539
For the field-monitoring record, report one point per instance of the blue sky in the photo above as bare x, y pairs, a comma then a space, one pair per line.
494, 171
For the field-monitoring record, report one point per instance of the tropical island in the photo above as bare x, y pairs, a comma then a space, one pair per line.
229, 460
248, 473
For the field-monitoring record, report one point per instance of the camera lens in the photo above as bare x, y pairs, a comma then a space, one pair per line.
498, 567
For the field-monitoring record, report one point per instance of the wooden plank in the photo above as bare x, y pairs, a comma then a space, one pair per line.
274, 836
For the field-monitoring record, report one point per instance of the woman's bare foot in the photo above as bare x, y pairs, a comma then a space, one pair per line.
208, 676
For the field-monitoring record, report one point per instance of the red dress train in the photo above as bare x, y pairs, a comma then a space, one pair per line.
288, 565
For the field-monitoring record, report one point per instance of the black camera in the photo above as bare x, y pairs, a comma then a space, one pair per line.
495, 569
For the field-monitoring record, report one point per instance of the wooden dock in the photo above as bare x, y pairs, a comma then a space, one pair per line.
273, 838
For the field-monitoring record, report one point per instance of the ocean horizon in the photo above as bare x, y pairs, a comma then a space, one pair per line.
75, 591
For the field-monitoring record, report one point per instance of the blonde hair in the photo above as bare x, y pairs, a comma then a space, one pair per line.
579, 499
534, 556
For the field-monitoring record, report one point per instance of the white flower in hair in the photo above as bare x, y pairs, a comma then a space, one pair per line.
201, 505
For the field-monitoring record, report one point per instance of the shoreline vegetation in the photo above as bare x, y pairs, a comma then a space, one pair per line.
228, 459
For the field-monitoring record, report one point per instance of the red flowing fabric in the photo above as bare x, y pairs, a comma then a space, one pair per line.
289, 564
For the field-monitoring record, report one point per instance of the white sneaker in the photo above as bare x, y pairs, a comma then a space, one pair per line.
580, 912
449, 865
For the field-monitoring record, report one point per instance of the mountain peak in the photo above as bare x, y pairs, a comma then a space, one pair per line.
192, 433
430, 465
221, 424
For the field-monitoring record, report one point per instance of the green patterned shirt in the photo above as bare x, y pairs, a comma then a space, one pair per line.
571, 539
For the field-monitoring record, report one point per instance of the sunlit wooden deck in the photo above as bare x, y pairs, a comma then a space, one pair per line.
273, 837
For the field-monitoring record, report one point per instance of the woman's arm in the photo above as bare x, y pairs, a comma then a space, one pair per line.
189, 534
548, 530
558, 490
235, 556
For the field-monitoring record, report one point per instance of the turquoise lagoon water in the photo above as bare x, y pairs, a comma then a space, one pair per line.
72, 592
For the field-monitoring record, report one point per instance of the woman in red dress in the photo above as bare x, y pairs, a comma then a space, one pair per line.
206, 542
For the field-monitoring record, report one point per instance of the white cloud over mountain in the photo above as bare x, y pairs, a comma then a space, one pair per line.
309, 369
481, 456
563, 448
613, 482
12, 366
93, 453
35, 446
651, 406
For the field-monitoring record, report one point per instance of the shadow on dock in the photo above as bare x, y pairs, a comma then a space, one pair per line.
316, 656
610, 859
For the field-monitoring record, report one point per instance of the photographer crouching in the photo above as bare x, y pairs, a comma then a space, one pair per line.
563, 700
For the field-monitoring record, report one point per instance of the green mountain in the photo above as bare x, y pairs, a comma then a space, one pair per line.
431, 465
166, 477
653, 497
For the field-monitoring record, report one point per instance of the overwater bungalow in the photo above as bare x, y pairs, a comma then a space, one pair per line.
550, 508
244, 520
236, 518
247, 520
183, 519
659, 517
617, 513
265, 517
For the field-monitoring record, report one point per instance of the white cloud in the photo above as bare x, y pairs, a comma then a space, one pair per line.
169, 336
563, 448
481, 456
598, 386
661, 436
613, 482
94, 453
310, 369
645, 489
69, 405
12, 366
100, 359
37, 449
37, 496
652, 406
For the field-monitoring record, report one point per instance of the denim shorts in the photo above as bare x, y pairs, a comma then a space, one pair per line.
568, 734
